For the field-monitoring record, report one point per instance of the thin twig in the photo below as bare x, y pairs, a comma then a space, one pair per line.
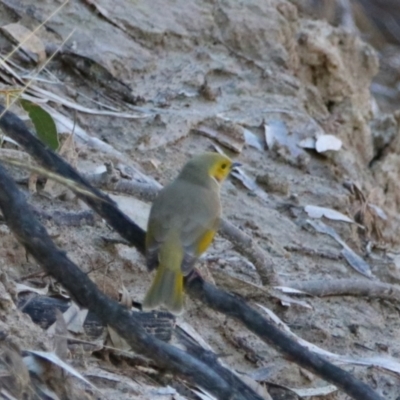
348, 287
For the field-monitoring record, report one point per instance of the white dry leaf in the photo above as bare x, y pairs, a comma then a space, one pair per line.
249, 183
9, 140
126, 298
307, 143
135, 209
252, 140
28, 41
311, 392
327, 143
378, 211
54, 359
319, 212
276, 132
193, 334
165, 391
20, 288
389, 364
259, 388
289, 290
97, 372
232, 139
45, 392
245, 288
203, 394
118, 342
60, 341
354, 260
74, 318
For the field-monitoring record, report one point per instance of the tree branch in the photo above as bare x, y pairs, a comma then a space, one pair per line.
36, 240
196, 287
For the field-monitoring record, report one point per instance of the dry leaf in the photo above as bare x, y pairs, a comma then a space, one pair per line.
252, 140
276, 133
226, 134
389, 364
60, 345
20, 287
311, 392
117, 341
54, 359
259, 388
354, 260
193, 334
289, 290
203, 394
29, 42
249, 183
74, 318
319, 212
135, 209
107, 375
126, 298
378, 211
307, 143
327, 143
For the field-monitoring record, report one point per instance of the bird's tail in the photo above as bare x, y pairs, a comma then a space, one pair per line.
166, 289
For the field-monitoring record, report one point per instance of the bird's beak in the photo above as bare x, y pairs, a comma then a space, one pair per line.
235, 165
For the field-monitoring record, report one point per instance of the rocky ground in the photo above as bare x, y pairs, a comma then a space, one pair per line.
280, 90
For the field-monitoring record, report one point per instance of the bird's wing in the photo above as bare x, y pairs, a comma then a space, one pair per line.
195, 217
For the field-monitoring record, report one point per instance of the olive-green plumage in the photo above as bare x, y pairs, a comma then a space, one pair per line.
182, 223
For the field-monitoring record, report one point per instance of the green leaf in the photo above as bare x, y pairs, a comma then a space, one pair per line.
43, 122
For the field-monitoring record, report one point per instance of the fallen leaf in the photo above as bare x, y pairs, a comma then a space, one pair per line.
379, 212
126, 298
117, 341
43, 122
249, 183
252, 140
327, 143
226, 133
20, 287
311, 392
54, 359
307, 143
276, 132
285, 289
390, 364
137, 210
319, 212
354, 260
60, 341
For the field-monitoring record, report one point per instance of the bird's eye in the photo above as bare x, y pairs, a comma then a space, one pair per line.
223, 166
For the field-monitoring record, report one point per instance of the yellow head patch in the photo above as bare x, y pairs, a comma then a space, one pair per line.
221, 168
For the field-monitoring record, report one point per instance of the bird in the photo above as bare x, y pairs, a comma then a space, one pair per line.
182, 223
